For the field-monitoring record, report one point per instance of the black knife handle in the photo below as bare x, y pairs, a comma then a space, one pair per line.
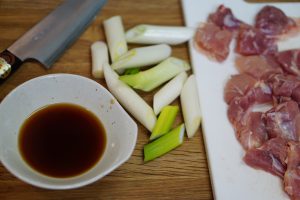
9, 63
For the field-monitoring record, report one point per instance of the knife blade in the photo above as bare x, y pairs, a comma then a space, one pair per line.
48, 39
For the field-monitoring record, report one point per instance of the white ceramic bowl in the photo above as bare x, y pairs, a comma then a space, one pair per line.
57, 88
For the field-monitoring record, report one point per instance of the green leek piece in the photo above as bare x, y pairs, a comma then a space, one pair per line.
130, 71
164, 144
165, 121
150, 79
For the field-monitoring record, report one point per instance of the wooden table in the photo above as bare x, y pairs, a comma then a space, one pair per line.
181, 174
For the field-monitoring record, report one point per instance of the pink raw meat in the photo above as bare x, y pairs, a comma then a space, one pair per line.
214, 41
251, 41
271, 139
240, 107
283, 121
259, 66
237, 86
296, 94
290, 61
272, 21
224, 18
283, 85
292, 174
253, 133
270, 157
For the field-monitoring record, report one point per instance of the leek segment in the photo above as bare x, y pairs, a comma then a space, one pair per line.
115, 36
150, 79
165, 121
142, 56
164, 144
132, 71
169, 92
99, 57
190, 106
153, 34
132, 102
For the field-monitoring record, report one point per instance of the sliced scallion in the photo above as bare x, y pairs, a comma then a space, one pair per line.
142, 56
164, 144
164, 122
150, 79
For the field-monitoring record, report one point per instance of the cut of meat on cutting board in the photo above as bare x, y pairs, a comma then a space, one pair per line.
231, 178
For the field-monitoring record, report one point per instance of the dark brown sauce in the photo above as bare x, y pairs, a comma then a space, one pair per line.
62, 140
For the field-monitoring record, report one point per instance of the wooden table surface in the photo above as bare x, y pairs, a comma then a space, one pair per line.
181, 174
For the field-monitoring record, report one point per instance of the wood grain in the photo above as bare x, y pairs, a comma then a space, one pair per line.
181, 174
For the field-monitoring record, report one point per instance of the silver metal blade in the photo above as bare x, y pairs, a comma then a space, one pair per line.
48, 39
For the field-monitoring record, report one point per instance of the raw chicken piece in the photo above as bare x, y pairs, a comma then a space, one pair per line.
292, 174
214, 41
283, 121
259, 66
237, 86
262, 93
240, 107
272, 21
242, 96
283, 85
290, 61
296, 94
224, 18
253, 134
266, 77
251, 41
270, 157
245, 86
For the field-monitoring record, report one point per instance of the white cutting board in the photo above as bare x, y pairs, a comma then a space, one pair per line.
231, 178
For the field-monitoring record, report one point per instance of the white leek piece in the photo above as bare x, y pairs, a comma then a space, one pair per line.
169, 92
190, 106
99, 57
143, 56
132, 102
155, 76
151, 34
115, 37
164, 144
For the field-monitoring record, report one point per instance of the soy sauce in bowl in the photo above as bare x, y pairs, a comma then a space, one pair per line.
62, 140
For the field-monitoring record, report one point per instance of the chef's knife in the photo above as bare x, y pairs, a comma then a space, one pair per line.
48, 39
